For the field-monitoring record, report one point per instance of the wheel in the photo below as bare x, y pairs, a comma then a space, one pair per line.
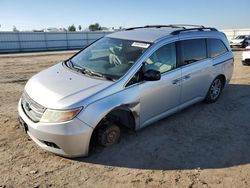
244, 45
214, 90
108, 134
247, 62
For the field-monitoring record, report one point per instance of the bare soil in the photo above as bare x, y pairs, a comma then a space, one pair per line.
206, 145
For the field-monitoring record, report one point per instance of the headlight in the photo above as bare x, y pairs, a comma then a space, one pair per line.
55, 116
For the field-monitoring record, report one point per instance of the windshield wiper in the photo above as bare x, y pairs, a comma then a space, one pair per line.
97, 74
70, 64
89, 72
109, 78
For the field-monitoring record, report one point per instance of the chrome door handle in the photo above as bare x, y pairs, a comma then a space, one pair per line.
176, 81
186, 77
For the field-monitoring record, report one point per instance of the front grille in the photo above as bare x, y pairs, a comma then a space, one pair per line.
31, 108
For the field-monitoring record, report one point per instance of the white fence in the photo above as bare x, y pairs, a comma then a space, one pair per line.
45, 41
232, 33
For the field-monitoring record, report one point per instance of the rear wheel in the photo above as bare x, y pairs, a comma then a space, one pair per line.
108, 134
214, 90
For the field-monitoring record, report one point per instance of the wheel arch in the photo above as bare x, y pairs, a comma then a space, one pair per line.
121, 115
223, 78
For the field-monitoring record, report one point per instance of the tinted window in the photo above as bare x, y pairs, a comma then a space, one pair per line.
163, 59
193, 50
217, 47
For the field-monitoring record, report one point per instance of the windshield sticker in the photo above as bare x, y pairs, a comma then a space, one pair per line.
140, 45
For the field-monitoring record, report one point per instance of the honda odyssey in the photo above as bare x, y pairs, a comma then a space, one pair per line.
128, 79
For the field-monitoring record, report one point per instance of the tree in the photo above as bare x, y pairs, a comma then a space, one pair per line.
95, 27
63, 29
72, 28
15, 29
80, 27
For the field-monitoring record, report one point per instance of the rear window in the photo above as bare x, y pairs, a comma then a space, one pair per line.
193, 50
217, 47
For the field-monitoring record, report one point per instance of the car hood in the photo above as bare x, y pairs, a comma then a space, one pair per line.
60, 88
237, 40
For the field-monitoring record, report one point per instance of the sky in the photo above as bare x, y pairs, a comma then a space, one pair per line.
38, 14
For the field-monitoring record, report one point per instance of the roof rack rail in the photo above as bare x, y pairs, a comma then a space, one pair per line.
155, 26
193, 29
132, 28
159, 26
184, 26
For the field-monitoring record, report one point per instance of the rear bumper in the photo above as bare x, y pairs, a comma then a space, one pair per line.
69, 139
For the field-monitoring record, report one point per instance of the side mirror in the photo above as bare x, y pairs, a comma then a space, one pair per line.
151, 75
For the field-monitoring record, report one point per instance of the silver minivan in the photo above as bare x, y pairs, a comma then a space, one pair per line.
126, 79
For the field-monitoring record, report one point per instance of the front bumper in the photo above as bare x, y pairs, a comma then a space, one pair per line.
69, 139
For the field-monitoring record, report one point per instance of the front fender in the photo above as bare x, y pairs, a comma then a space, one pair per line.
97, 110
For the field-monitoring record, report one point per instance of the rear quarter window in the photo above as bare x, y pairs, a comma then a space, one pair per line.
216, 47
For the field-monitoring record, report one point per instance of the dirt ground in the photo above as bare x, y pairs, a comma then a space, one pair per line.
206, 145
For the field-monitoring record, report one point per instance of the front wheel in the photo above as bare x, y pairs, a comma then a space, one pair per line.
108, 134
214, 90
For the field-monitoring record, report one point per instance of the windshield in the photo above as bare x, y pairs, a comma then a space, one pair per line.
109, 56
240, 37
